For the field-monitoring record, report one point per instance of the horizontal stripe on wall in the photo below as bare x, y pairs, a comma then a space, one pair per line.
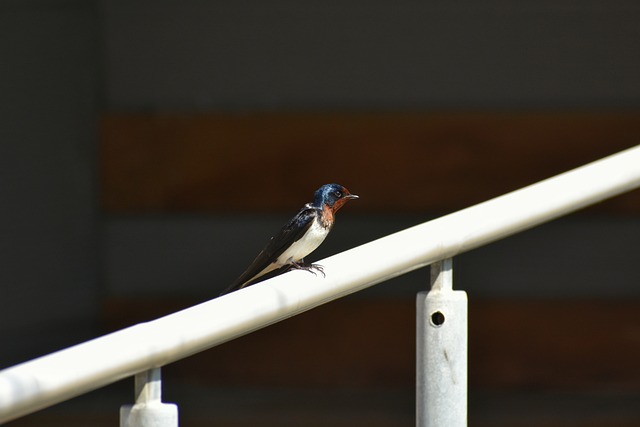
513, 344
396, 162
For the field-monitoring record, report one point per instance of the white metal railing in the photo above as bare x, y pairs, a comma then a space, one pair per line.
59, 376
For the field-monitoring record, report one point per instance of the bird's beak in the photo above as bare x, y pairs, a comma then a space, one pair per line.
351, 197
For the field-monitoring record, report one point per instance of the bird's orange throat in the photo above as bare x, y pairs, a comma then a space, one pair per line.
328, 215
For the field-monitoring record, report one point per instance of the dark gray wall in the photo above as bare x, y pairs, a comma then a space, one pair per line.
576, 257
48, 274
225, 54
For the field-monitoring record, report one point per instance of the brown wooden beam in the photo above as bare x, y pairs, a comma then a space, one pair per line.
514, 344
403, 162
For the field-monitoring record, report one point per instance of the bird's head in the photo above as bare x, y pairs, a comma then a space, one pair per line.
333, 196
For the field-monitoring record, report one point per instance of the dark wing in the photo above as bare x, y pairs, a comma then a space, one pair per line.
291, 232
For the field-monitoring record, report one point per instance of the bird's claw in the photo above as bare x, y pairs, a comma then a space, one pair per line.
312, 268
318, 268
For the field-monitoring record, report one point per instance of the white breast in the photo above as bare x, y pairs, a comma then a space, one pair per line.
314, 236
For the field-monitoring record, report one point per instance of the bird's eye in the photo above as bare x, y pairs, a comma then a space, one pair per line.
338, 194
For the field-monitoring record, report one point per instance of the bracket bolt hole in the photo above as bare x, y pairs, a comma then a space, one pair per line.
437, 318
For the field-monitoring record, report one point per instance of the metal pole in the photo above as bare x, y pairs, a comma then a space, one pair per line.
149, 411
441, 350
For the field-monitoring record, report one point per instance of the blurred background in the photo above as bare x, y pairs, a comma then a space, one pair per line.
149, 149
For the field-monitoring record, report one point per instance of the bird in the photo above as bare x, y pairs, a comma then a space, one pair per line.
298, 237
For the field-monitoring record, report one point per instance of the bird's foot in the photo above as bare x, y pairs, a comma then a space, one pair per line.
312, 268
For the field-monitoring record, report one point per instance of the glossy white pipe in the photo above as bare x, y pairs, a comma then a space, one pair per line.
59, 376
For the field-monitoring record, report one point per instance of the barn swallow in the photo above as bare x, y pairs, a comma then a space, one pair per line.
298, 238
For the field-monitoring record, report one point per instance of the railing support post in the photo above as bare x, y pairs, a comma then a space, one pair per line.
441, 349
149, 411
